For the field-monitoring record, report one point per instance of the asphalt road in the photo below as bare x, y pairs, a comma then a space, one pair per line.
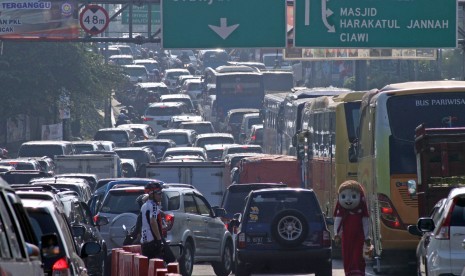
338, 270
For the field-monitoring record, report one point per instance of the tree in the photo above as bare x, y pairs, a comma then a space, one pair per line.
33, 74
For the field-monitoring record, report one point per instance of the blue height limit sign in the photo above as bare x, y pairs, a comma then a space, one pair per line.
200, 24
376, 23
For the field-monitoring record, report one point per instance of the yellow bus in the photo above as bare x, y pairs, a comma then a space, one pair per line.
386, 156
332, 125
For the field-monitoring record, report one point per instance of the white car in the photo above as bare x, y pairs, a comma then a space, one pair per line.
185, 151
170, 77
136, 73
440, 250
157, 115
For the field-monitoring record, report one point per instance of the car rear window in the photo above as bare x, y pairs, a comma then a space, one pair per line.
163, 111
266, 205
236, 118
139, 156
179, 139
40, 150
187, 102
254, 121
115, 136
81, 148
199, 128
118, 202
215, 155
171, 200
244, 149
42, 223
214, 140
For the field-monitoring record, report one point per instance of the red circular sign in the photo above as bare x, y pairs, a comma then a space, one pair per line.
94, 19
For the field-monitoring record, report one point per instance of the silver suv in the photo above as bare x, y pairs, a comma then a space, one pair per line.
15, 233
192, 222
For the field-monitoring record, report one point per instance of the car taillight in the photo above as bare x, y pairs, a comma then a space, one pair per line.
253, 138
389, 215
61, 267
95, 218
443, 232
169, 221
326, 239
241, 240
145, 119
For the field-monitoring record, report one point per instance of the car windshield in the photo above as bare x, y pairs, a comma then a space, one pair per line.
178, 138
214, 141
163, 111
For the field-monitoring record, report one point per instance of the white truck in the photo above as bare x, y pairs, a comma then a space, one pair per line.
103, 165
206, 177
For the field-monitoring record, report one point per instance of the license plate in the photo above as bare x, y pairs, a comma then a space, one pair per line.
257, 239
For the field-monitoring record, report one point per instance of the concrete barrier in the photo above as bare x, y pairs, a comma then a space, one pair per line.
141, 265
128, 264
136, 248
115, 252
162, 272
173, 268
154, 265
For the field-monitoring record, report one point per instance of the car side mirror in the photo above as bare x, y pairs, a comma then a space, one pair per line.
49, 246
413, 230
219, 212
425, 224
90, 248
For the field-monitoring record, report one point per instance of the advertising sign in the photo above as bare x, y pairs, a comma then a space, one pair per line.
315, 54
39, 19
52, 132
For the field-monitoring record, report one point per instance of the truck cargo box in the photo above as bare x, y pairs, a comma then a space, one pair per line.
270, 168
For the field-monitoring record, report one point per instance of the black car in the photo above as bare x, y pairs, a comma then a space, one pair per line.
283, 230
84, 230
158, 146
235, 195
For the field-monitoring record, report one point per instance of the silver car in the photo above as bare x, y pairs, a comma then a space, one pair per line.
192, 222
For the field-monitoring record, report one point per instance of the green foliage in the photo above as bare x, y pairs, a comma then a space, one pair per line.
33, 74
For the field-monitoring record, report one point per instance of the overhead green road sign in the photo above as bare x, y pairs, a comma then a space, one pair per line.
223, 23
375, 23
